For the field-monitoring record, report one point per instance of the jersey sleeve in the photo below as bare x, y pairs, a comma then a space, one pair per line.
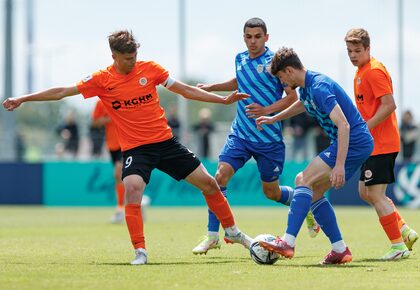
91, 86
160, 74
325, 98
379, 83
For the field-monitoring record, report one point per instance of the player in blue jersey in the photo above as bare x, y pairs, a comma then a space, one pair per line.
351, 144
245, 140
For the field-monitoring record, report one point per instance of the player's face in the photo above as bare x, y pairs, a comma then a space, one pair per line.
358, 54
124, 62
255, 40
287, 78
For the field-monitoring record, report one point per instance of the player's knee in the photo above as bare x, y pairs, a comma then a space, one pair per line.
300, 180
209, 186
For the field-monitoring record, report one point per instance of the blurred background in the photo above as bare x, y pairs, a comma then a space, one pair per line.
48, 43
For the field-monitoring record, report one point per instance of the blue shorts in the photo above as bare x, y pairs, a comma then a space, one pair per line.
269, 156
356, 155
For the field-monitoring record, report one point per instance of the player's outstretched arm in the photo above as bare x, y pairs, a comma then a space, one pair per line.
255, 110
194, 93
230, 85
52, 94
295, 109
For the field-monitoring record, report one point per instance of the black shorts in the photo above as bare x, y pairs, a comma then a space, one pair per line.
168, 156
379, 169
116, 156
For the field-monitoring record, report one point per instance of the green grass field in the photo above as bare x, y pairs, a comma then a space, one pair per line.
75, 248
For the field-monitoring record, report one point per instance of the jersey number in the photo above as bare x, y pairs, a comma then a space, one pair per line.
128, 161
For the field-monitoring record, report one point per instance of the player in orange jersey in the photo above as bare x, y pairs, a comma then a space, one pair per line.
127, 89
100, 119
374, 99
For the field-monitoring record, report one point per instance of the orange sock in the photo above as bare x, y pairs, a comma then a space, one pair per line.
134, 221
401, 221
119, 189
390, 226
219, 205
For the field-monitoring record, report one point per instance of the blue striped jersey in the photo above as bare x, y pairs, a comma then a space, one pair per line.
320, 95
254, 79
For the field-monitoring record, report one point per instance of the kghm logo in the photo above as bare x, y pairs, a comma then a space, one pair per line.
359, 98
133, 102
116, 105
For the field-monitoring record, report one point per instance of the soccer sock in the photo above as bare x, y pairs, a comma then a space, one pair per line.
299, 208
390, 226
213, 222
218, 204
119, 189
289, 239
286, 195
134, 221
339, 246
325, 216
401, 221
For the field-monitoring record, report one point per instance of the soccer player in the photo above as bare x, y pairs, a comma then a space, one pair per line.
374, 99
351, 144
245, 141
127, 89
100, 119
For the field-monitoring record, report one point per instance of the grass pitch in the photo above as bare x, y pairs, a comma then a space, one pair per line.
76, 248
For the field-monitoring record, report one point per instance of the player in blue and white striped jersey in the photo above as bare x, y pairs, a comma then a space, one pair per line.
245, 140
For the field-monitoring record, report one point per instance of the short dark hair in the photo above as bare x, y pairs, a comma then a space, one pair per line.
283, 58
256, 22
358, 35
123, 41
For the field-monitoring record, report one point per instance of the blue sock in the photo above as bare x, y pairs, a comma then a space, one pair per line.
213, 223
299, 208
286, 195
325, 217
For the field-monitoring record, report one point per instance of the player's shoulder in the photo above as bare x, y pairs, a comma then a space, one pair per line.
242, 55
320, 81
376, 72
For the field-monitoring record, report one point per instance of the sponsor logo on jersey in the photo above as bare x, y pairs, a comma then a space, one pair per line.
134, 102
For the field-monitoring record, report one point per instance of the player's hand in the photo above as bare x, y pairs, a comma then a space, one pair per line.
234, 97
337, 177
11, 103
264, 120
255, 110
204, 87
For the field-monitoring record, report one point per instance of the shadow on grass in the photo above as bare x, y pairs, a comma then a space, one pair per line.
207, 261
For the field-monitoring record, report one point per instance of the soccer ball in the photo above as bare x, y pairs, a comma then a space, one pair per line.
259, 254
